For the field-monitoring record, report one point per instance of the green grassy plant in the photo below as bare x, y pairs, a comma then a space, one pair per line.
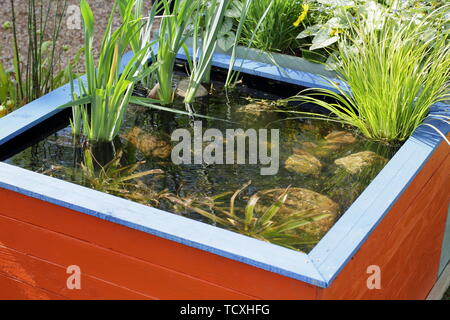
107, 90
7, 91
204, 42
172, 35
38, 76
277, 32
255, 221
395, 72
232, 76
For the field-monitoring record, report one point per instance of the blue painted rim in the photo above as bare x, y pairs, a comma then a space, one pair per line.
319, 267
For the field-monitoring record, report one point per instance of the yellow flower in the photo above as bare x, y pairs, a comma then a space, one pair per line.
335, 32
302, 16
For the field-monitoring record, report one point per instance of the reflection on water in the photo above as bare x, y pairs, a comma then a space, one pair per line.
325, 165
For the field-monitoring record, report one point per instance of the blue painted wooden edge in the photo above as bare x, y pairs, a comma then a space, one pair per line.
160, 223
339, 245
319, 268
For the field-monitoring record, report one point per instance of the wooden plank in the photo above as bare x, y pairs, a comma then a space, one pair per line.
191, 261
189, 232
107, 265
406, 245
44, 274
13, 289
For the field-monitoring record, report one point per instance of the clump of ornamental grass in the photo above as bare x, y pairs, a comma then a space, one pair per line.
204, 42
100, 107
36, 67
394, 72
233, 75
277, 32
172, 35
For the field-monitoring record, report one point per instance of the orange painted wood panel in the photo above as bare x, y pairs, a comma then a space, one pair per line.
168, 254
13, 289
122, 270
52, 277
153, 267
407, 243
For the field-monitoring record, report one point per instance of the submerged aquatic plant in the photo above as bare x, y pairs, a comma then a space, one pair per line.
123, 181
395, 74
104, 99
256, 221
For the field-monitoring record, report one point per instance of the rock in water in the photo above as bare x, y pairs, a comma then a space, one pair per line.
356, 162
149, 145
320, 150
303, 162
305, 203
154, 92
3, 111
255, 109
340, 137
183, 87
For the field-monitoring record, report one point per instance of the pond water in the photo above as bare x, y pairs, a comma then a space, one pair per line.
325, 165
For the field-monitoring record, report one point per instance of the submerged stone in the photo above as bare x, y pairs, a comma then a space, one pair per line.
320, 150
308, 145
305, 203
340, 137
303, 162
254, 108
3, 111
183, 87
153, 94
148, 144
356, 162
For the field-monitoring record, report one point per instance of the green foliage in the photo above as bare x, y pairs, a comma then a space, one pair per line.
205, 40
396, 72
7, 91
122, 181
277, 32
37, 77
328, 20
232, 76
256, 221
141, 39
103, 100
172, 35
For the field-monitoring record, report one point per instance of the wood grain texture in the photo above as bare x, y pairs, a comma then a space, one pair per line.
407, 243
43, 274
221, 271
38, 240
122, 270
13, 289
